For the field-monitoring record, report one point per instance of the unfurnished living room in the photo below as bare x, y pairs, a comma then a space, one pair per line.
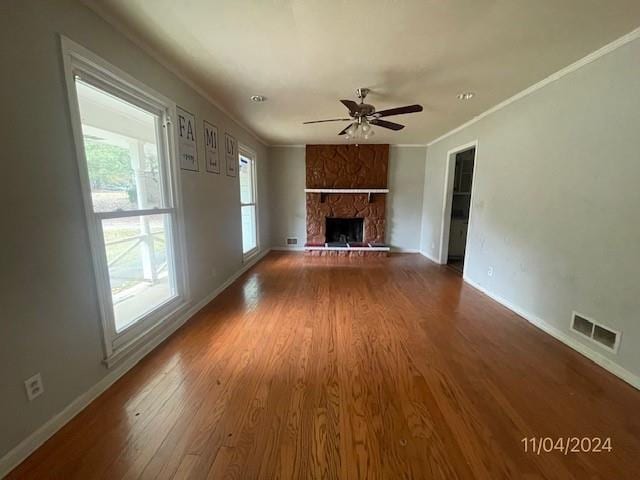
300, 239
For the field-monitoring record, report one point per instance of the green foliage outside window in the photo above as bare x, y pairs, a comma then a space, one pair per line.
109, 166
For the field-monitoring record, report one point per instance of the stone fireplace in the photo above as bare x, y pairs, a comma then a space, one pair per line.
346, 199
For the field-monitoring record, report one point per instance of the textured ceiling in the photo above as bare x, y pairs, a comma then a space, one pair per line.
304, 55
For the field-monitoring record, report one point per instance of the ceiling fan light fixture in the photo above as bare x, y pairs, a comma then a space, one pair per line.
359, 130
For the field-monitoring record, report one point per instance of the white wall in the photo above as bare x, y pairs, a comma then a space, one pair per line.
555, 201
404, 203
287, 179
49, 319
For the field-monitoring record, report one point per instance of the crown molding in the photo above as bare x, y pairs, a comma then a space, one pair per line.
610, 47
118, 25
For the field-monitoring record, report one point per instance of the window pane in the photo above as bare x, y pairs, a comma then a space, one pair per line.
120, 142
140, 266
248, 228
246, 180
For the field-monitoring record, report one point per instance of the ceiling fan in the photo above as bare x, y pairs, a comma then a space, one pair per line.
364, 115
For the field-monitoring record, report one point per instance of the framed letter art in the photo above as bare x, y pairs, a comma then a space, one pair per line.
231, 154
211, 156
187, 149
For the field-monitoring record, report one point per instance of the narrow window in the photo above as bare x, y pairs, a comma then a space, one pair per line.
248, 203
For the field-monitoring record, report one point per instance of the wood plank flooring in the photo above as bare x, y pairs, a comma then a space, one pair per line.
326, 368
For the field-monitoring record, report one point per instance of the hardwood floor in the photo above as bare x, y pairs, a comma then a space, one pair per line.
383, 368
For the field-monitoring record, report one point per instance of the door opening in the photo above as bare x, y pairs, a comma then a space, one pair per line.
460, 208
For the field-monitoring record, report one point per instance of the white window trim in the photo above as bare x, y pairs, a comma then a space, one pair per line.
118, 345
248, 152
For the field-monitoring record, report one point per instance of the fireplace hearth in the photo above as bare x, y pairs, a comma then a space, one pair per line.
344, 230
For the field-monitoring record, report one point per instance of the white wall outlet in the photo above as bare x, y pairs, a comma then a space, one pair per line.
433, 245
34, 386
213, 273
490, 272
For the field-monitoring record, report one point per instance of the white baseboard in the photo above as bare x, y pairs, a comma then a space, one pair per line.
403, 250
430, 257
563, 337
25, 448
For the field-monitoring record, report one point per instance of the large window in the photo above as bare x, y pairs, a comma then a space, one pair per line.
125, 164
248, 203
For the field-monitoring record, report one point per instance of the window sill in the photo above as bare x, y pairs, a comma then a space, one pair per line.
250, 255
149, 338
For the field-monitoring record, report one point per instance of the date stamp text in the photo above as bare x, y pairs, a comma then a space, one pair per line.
566, 445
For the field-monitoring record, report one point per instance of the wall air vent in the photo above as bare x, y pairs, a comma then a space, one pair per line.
292, 240
582, 325
604, 336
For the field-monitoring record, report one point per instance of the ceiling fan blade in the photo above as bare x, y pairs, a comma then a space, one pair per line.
345, 130
398, 111
329, 120
385, 124
351, 105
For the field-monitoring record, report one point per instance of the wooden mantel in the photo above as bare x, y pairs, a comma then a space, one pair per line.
368, 191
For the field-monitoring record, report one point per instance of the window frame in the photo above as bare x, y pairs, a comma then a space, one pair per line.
92, 69
247, 152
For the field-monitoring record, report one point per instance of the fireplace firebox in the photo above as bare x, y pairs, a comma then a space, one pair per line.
344, 230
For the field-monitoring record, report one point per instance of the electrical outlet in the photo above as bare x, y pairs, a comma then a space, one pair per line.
433, 245
34, 386
490, 272
213, 273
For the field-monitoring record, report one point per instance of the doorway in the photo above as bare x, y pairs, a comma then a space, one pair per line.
461, 167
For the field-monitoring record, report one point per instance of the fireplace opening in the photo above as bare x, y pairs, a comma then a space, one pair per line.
344, 230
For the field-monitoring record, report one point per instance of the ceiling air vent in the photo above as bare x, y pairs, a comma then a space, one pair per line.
604, 336
292, 240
